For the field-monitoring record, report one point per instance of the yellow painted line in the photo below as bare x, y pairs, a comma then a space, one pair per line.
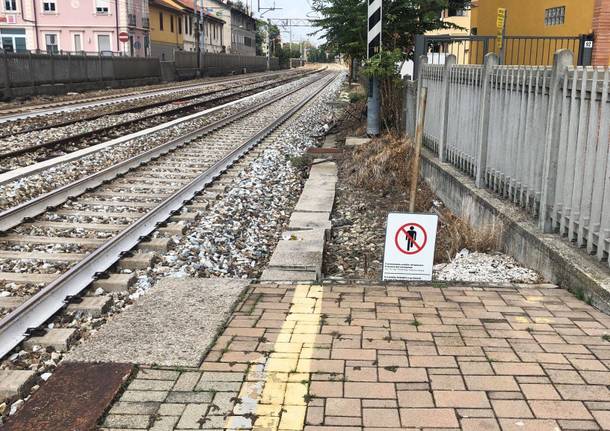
275, 393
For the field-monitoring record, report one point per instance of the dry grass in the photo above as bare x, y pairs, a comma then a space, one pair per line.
455, 234
384, 166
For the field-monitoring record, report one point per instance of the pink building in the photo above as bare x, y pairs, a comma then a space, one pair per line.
91, 26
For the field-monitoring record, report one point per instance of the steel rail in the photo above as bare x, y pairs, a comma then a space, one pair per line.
43, 305
16, 215
74, 105
19, 173
169, 112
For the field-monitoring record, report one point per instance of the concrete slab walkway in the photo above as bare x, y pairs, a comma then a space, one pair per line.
172, 325
372, 357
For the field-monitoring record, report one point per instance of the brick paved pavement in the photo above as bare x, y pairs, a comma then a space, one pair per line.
366, 358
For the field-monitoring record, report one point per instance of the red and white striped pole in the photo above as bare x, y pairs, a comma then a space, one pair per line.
374, 29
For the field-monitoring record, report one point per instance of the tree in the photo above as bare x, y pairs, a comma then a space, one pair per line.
344, 25
263, 29
343, 22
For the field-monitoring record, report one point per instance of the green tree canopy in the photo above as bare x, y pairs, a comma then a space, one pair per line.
343, 22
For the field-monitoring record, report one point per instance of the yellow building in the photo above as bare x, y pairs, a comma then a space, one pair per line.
166, 28
461, 49
562, 20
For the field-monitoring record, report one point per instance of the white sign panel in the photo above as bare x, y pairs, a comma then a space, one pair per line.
409, 247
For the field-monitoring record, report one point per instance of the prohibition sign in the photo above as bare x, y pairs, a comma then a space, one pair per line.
417, 244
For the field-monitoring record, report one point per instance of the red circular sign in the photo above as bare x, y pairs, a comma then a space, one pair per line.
123, 36
418, 244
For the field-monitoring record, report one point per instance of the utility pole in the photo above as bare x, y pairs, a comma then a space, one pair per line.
374, 47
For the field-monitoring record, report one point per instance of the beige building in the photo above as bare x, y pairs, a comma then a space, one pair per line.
461, 19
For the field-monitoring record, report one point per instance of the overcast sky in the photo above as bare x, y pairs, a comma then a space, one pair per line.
289, 9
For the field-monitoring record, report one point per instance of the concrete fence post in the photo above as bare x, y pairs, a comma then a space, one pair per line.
423, 60
70, 80
7, 77
31, 69
450, 60
491, 60
562, 60
405, 104
101, 77
53, 78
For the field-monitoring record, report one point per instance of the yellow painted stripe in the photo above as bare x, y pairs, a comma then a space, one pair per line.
274, 393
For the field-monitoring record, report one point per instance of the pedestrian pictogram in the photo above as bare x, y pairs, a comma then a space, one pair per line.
409, 247
411, 238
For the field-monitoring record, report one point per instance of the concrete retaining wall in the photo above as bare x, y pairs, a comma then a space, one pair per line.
37, 74
555, 258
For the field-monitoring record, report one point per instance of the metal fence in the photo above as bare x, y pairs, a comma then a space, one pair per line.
516, 50
537, 136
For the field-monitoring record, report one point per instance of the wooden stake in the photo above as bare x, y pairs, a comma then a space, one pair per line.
419, 136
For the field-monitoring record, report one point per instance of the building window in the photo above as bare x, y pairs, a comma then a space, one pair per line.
12, 40
78, 42
248, 41
179, 25
101, 7
10, 5
103, 43
52, 43
171, 23
49, 6
161, 21
453, 11
555, 15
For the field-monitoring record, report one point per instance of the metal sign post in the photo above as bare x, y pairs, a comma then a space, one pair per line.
374, 47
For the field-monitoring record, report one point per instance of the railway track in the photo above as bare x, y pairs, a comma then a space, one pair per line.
120, 207
24, 184
164, 111
46, 109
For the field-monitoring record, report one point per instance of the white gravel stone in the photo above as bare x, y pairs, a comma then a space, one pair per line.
485, 268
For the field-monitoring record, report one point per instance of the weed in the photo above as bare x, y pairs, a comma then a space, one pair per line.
416, 323
606, 337
301, 162
589, 300
355, 97
391, 368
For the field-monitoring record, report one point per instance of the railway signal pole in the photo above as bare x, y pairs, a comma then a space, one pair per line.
374, 47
